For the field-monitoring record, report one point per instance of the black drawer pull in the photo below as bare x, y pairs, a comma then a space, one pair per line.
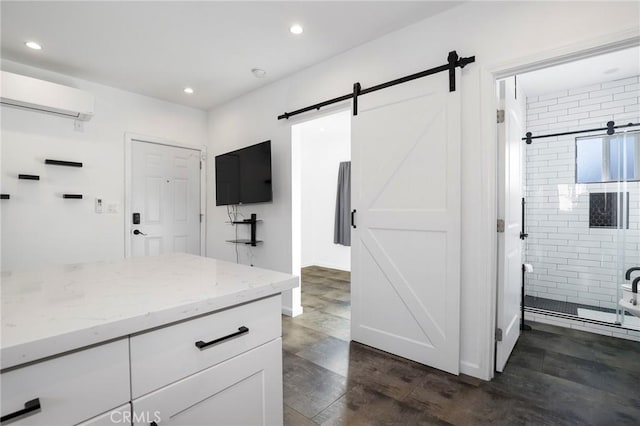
202, 345
29, 407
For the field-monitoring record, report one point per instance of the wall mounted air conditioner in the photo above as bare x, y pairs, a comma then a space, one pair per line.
44, 96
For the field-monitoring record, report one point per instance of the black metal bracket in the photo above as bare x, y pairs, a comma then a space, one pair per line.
72, 196
610, 128
453, 61
356, 92
4, 196
528, 138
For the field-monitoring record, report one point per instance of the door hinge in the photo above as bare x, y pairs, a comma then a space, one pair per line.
500, 225
500, 116
498, 335
200, 165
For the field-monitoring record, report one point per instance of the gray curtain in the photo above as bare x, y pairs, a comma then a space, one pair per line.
342, 227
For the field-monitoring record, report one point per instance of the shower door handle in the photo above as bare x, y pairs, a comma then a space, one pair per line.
353, 218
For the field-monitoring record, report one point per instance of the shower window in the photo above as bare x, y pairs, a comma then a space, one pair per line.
608, 158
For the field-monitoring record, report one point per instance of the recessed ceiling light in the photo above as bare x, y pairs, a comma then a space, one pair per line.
188, 90
33, 45
296, 29
259, 73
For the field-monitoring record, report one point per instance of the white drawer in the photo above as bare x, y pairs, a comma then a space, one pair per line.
168, 354
245, 390
69, 388
121, 416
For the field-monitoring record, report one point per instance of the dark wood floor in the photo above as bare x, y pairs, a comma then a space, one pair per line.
555, 376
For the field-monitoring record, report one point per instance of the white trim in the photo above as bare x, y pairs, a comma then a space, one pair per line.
326, 265
297, 310
128, 167
489, 75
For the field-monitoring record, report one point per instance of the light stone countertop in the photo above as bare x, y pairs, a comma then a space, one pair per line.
62, 308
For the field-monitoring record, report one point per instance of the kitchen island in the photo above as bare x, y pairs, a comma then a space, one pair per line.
176, 339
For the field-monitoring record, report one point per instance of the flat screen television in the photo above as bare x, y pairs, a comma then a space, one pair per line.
244, 176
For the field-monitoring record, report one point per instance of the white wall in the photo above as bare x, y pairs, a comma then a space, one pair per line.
496, 33
573, 262
38, 226
324, 144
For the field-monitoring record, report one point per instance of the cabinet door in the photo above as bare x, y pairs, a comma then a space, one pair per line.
245, 390
68, 389
121, 416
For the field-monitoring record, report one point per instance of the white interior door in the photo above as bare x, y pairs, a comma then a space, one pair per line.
406, 244
165, 192
510, 148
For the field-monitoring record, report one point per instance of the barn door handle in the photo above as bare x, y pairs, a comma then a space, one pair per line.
353, 218
202, 345
29, 407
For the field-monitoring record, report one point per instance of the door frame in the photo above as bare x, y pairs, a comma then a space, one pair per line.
489, 75
296, 198
129, 138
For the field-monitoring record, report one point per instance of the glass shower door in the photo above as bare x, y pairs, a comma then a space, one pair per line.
624, 153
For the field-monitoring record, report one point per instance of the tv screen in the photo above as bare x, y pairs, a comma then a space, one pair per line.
244, 176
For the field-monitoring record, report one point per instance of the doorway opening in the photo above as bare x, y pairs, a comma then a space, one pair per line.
321, 160
571, 193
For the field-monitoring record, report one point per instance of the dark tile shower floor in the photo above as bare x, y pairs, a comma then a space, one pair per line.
560, 306
555, 376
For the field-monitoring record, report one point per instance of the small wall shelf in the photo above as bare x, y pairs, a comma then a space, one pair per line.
253, 243
4, 196
72, 196
28, 177
62, 163
253, 221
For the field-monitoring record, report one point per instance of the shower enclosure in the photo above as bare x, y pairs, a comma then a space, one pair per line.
582, 196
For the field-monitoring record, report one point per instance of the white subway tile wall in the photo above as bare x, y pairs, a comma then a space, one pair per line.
572, 262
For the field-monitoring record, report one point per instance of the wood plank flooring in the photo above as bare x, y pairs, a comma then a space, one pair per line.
556, 376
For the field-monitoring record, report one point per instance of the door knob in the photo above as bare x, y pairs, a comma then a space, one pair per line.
138, 232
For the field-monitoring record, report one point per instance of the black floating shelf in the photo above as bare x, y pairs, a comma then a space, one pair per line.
29, 177
73, 196
250, 242
4, 196
63, 163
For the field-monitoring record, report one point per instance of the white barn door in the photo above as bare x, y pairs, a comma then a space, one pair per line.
406, 244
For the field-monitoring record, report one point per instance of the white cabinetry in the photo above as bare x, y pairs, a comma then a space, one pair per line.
222, 368
245, 390
120, 416
70, 388
168, 354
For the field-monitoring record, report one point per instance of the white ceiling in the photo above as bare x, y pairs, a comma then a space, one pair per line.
585, 72
157, 48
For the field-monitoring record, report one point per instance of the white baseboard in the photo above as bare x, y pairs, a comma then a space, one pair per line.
297, 310
328, 265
